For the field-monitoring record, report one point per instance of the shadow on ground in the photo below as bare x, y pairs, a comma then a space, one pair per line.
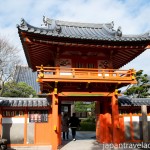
87, 141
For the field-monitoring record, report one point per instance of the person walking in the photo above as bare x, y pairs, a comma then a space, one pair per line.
65, 127
74, 123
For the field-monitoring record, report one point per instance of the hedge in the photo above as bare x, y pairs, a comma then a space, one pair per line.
87, 126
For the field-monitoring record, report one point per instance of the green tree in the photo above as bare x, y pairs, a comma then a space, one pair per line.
81, 106
21, 89
141, 89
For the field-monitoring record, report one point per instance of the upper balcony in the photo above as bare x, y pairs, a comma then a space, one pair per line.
60, 74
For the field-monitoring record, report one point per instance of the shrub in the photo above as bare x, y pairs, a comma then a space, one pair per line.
87, 126
89, 119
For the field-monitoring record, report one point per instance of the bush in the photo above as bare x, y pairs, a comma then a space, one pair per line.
89, 119
87, 126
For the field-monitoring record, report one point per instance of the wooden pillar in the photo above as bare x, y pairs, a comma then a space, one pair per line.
97, 111
131, 128
115, 120
25, 126
59, 122
102, 128
105, 123
72, 109
144, 123
97, 107
55, 122
122, 129
0, 122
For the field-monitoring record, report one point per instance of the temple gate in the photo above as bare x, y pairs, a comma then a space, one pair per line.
81, 61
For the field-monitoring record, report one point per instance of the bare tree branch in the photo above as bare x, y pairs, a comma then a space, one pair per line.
9, 58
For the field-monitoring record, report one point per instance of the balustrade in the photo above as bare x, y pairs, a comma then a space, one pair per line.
84, 73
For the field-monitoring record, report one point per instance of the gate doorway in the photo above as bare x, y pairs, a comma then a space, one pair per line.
103, 114
106, 114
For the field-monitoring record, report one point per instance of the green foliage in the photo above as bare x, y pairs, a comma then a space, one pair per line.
89, 119
141, 89
87, 126
81, 106
21, 89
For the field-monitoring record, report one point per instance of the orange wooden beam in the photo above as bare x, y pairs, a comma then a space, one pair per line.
85, 94
27, 40
46, 42
87, 80
147, 47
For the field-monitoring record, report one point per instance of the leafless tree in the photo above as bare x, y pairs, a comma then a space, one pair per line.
9, 58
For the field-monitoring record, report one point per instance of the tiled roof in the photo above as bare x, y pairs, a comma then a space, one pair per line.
24, 102
126, 101
44, 102
88, 31
41, 44
25, 74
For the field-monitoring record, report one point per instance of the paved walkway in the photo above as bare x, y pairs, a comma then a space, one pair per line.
84, 141
87, 141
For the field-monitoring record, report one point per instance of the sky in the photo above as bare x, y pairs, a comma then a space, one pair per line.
132, 15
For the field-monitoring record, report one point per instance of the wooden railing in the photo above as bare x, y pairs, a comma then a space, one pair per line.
84, 73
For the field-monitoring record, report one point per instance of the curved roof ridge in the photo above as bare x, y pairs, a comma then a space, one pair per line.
21, 98
146, 34
77, 24
128, 101
86, 25
24, 24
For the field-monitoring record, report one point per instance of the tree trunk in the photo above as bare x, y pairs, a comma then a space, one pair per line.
2, 89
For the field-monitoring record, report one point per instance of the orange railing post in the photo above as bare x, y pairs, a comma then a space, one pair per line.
57, 71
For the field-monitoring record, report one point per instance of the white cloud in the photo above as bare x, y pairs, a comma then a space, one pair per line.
133, 16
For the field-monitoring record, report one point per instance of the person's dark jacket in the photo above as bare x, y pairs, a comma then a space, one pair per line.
74, 122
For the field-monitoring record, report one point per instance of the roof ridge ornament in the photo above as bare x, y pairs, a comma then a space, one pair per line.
112, 24
109, 30
147, 33
119, 32
23, 24
51, 24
